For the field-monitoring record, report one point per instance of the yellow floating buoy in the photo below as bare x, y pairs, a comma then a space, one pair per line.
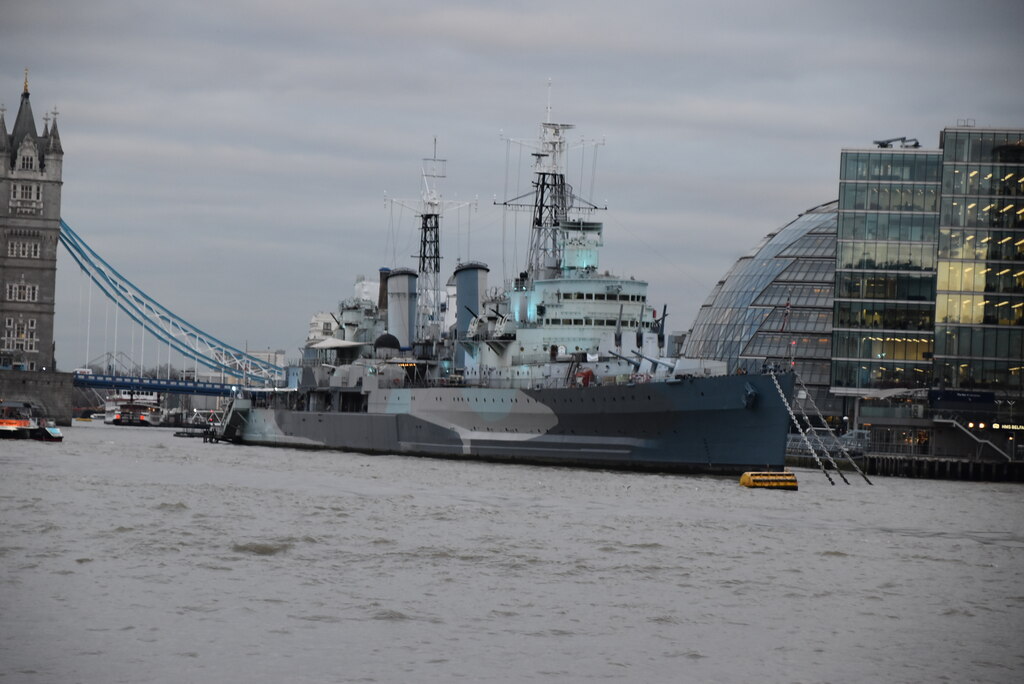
769, 479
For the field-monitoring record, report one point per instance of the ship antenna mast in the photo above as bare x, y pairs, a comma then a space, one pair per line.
428, 314
551, 201
428, 283
547, 119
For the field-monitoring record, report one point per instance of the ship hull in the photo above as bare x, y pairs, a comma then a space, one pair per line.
722, 425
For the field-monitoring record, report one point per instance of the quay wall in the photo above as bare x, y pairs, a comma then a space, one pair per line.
50, 390
925, 468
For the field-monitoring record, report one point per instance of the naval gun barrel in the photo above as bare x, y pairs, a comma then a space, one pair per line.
634, 362
654, 362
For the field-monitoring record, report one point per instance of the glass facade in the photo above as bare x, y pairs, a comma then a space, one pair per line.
883, 313
775, 306
913, 279
979, 304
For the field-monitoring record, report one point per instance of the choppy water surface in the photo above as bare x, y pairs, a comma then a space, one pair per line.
129, 555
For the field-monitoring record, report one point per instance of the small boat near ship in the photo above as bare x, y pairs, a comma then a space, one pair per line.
565, 365
25, 420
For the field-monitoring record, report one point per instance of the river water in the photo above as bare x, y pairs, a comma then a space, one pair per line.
130, 555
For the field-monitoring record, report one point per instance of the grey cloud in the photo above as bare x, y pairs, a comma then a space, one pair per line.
250, 144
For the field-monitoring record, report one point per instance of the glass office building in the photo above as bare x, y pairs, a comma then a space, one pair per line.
979, 332
885, 269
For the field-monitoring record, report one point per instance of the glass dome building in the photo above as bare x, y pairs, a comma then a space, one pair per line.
775, 307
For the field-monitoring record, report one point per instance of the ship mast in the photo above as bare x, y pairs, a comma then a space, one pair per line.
553, 200
428, 282
428, 313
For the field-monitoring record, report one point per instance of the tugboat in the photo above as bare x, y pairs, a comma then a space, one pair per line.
566, 365
25, 420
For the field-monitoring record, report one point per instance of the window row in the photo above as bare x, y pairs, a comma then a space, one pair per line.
897, 226
1004, 181
779, 294
809, 270
783, 345
814, 373
856, 345
599, 296
981, 244
981, 375
710, 346
980, 276
23, 249
881, 374
28, 162
902, 166
1001, 147
21, 292
903, 287
1004, 343
26, 191
885, 315
627, 324
20, 343
888, 256
798, 320
811, 245
20, 335
888, 197
970, 212
979, 309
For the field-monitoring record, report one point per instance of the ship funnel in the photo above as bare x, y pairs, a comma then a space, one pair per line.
470, 286
401, 294
382, 290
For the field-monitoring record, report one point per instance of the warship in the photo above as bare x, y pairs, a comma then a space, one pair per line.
566, 364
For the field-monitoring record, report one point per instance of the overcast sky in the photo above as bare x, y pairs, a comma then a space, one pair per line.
231, 158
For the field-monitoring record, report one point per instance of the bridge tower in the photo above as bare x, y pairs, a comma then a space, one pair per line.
30, 189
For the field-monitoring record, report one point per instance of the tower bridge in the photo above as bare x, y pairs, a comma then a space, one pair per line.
31, 228
146, 384
167, 328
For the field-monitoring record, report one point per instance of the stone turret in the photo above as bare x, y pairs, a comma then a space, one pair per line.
5, 145
53, 153
25, 149
30, 198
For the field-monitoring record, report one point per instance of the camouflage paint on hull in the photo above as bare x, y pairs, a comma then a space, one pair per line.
725, 424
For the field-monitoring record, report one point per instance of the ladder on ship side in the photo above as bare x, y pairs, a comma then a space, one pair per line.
806, 433
807, 442
842, 447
